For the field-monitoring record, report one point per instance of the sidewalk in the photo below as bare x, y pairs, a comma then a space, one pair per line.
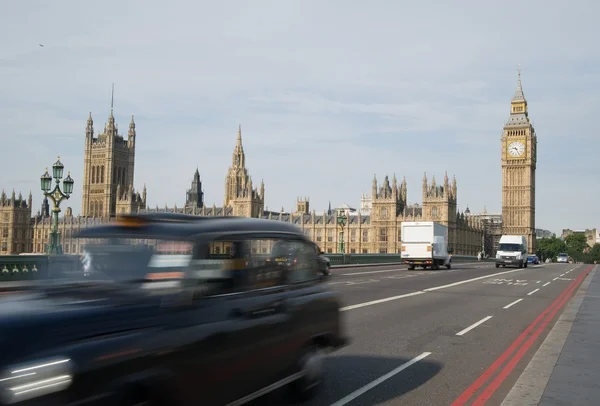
576, 376
565, 370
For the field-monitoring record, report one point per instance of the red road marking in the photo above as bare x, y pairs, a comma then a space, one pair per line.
501, 377
558, 302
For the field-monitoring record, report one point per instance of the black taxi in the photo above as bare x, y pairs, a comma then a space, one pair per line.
173, 309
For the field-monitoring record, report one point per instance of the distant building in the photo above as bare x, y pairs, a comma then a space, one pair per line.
15, 220
492, 229
591, 235
539, 233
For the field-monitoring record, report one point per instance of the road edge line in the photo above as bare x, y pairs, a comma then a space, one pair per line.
420, 292
530, 386
495, 384
364, 389
483, 379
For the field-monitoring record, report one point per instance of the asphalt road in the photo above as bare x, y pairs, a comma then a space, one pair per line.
440, 337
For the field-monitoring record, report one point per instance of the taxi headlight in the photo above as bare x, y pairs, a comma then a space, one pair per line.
31, 380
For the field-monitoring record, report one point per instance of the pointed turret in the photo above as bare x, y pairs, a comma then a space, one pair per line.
519, 95
262, 190
374, 188
89, 127
454, 187
131, 132
111, 128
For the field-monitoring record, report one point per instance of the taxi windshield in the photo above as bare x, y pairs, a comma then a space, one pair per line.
132, 260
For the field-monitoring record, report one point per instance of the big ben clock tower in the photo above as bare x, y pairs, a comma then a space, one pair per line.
519, 157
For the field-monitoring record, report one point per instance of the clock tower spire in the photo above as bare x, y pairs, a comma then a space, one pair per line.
518, 159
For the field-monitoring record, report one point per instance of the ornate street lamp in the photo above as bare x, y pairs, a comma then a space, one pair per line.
56, 195
341, 222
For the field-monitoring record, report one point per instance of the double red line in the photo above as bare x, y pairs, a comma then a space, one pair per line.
549, 314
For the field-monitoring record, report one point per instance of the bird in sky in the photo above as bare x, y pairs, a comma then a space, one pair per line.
41, 45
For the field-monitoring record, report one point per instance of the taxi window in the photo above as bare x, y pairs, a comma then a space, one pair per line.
135, 260
306, 269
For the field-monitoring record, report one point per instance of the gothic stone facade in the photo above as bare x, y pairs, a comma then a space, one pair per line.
378, 232
108, 170
519, 159
15, 224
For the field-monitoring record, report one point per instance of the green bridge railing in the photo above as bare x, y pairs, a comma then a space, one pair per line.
22, 268
367, 259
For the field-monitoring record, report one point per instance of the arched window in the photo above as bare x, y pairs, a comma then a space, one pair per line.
434, 212
93, 174
102, 174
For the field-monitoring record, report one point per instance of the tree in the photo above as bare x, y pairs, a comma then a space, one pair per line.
575, 244
550, 247
594, 254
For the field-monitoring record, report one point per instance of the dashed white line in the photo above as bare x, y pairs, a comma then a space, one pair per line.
420, 292
532, 292
349, 398
512, 304
546, 284
562, 274
470, 280
472, 326
386, 299
368, 272
555, 278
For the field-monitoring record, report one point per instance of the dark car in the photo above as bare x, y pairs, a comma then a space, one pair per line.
173, 310
324, 261
533, 259
284, 254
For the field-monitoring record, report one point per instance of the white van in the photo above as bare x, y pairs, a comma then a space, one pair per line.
512, 250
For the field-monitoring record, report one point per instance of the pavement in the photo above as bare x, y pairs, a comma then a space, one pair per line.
449, 337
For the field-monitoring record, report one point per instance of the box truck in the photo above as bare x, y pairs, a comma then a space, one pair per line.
512, 250
425, 243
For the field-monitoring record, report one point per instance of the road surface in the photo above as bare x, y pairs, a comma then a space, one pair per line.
457, 337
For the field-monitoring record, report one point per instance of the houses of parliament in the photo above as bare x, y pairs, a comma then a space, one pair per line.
108, 191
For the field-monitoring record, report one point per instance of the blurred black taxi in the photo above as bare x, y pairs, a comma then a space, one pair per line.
174, 310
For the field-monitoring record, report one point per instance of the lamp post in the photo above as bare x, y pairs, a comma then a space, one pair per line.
57, 196
341, 221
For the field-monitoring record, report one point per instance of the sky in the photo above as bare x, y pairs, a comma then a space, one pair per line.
328, 94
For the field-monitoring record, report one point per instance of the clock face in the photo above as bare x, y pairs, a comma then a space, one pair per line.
516, 149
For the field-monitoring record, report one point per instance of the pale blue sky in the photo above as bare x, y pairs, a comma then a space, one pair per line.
328, 93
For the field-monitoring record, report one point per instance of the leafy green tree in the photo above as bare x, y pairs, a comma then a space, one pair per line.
576, 243
550, 248
594, 254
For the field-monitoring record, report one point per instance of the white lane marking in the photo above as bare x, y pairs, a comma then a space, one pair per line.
387, 299
565, 279
420, 292
512, 304
562, 274
349, 398
546, 284
362, 282
532, 292
368, 272
472, 326
470, 280
538, 281
555, 278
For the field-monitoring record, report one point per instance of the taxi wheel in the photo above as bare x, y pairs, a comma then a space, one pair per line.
312, 366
